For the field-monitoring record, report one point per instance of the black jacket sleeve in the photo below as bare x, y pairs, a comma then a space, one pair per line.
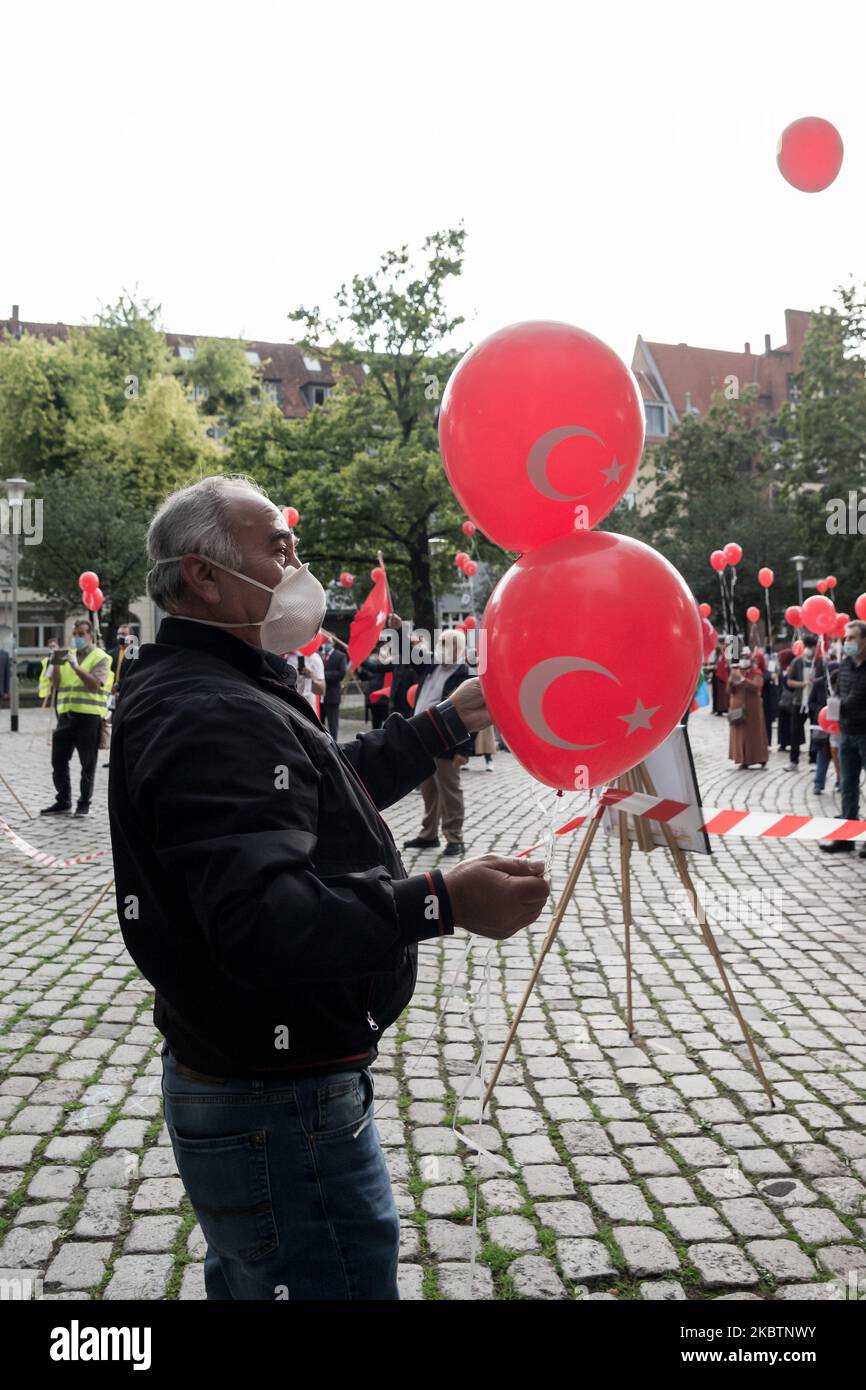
395, 759
228, 798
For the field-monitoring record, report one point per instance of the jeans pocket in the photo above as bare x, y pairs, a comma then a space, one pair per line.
228, 1184
342, 1103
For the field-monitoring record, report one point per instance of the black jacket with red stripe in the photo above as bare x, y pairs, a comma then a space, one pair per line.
258, 887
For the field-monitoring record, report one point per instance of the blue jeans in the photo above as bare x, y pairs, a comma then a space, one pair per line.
822, 762
852, 760
289, 1184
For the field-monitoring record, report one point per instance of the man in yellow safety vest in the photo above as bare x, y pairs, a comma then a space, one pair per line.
81, 682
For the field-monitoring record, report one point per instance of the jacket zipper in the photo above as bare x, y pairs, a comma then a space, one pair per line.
370, 1020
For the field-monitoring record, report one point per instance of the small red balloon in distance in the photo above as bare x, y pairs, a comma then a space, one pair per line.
718, 561
704, 609
794, 616
733, 553
830, 726
411, 696
809, 154
584, 688
470, 568
819, 615
377, 574
460, 559
765, 577
842, 622
710, 637
860, 607
831, 581
93, 599
469, 623
312, 646
469, 528
291, 515
88, 580
347, 579
541, 431
821, 586
753, 614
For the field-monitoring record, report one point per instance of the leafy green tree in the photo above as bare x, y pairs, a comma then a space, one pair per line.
713, 484
232, 382
823, 456
91, 520
364, 469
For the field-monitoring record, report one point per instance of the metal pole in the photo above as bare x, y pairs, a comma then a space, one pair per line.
13, 672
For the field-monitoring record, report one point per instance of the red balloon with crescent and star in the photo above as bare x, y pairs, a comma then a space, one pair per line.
541, 429
594, 646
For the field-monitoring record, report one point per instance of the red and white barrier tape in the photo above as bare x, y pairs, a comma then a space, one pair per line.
762, 825
39, 856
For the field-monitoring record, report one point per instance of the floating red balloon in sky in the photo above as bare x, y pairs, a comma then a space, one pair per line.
93, 599
860, 607
753, 614
842, 621
469, 528
794, 616
718, 561
809, 154
470, 568
733, 553
541, 430
821, 586
292, 516
704, 609
831, 581
765, 577
347, 579
819, 614
460, 559
584, 687
88, 580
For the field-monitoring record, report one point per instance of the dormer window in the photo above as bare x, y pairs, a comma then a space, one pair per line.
312, 364
656, 419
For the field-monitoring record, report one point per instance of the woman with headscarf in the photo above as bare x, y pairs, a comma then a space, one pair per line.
748, 733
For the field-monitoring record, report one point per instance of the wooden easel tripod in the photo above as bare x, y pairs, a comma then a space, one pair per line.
637, 780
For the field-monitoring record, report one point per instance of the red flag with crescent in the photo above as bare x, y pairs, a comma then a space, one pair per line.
369, 620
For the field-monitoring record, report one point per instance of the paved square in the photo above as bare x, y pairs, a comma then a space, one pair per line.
617, 1167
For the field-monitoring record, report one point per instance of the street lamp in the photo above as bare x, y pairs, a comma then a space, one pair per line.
15, 490
799, 562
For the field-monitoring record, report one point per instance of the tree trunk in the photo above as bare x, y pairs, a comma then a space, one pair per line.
423, 607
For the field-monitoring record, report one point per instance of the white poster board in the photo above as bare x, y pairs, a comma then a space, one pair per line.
672, 772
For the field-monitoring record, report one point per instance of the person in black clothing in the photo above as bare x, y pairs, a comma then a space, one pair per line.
851, 687
336, 663
371, 673
799, 679
407, 672
260, 891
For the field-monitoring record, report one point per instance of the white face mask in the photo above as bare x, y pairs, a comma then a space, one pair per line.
295, 613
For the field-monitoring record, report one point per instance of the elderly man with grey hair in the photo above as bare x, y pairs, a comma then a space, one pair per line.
260, 891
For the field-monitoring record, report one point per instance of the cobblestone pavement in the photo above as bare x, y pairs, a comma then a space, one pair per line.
649, 1167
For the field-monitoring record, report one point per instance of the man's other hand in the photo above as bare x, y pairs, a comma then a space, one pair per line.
496, 897
468, 701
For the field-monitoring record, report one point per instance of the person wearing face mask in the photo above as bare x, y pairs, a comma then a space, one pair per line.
748, 732
260, 891
851, 691
81, 683
800, 680
336, 663
442, 792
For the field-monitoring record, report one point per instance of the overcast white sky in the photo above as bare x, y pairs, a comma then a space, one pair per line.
614, 163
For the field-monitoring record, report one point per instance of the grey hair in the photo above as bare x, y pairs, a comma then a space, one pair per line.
194, 520
860, 626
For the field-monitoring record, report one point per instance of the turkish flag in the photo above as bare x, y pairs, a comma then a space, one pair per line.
369, 621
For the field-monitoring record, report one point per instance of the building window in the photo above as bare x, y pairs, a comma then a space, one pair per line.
315, 395
312, 364
656, 419
271, 391
186, 353
252, 357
